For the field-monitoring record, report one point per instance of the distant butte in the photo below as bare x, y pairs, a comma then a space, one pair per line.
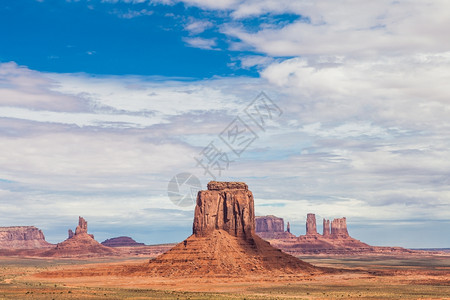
80, 244
334, 241
271, 227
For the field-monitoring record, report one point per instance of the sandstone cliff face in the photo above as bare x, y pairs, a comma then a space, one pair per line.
311, 227
227, 206
22, 237
339, 228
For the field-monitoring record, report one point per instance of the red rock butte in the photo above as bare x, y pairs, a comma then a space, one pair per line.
80, 244
224, 242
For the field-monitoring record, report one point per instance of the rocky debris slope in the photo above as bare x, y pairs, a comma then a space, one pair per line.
22, 237
80, 244
121, 241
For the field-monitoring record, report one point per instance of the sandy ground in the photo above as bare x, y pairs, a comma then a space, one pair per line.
423, 277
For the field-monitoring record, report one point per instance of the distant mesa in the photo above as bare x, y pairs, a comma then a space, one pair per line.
80, 244
271, 227
334, 239
22, 237
121, 241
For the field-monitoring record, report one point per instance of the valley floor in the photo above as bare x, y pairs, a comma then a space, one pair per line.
377, 277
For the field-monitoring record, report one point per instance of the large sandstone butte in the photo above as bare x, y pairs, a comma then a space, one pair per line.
80, 244
22, 237
224, 240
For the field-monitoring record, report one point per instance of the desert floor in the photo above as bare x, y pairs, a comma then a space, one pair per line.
373, 277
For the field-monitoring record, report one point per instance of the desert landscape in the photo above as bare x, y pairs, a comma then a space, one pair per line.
224, 258
224, 149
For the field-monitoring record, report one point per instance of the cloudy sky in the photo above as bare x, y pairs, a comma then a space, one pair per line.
103, 102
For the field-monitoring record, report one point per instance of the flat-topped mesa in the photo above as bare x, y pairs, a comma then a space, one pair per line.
271, 227
311, 227
269, 224
339, 228
326, 228
225, 205
223, 185
22, 237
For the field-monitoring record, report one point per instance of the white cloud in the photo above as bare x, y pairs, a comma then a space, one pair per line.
365, 131
255, 60
405, 91
197, 26
202, 43
22, 87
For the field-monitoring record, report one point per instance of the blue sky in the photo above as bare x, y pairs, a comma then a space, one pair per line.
103, 102
113, 38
